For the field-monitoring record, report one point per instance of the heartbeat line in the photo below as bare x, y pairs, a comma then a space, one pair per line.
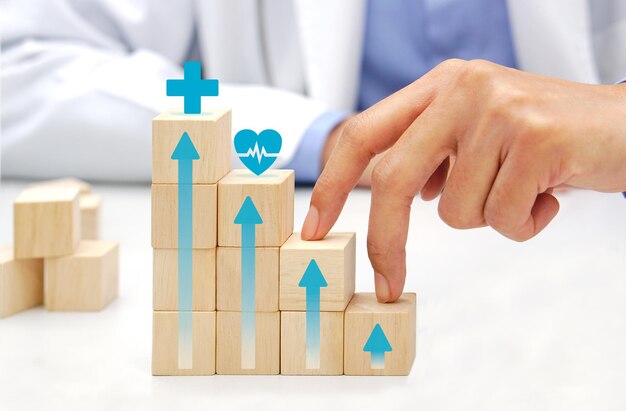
258, 154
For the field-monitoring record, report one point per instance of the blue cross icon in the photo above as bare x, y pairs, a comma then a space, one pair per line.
192, 87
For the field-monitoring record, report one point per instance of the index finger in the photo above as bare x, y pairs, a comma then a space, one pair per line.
367, 134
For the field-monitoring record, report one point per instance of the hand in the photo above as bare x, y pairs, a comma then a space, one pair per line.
513, 135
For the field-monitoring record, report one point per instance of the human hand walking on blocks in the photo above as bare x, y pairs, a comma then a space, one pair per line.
511, 136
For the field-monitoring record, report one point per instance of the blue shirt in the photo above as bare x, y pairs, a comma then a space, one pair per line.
404, 39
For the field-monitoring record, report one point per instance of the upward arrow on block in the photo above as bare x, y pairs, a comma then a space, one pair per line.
185, 153
377, 345
313, 280
248, 217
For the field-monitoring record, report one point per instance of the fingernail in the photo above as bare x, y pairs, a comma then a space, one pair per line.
382, 288
309, 228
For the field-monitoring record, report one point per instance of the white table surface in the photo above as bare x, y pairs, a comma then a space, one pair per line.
501, 325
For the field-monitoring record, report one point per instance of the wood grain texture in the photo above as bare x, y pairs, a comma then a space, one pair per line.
87, 280
21, 283
89, 205
272, 193
229, 343
229, 279
293, 344
83, 186
398, 323
165, 343
165, 215
165, 270
46, 222
210, 133
335, 255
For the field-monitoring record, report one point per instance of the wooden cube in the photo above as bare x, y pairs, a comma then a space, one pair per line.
293, 344
266, 353
229, 279
89, 205
335, 257
84, 281
165, 269
165, 215
83, 187
46, 222
21, 283
210, 133
272, 195
168, 358
379, 338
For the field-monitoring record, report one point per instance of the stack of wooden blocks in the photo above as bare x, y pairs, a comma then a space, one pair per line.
279, 313
57, 258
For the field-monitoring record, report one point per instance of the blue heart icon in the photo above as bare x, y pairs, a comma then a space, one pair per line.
258, 151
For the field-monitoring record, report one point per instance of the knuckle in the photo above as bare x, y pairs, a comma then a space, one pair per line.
450, 65
532, 128
476, 71
500, 221
384, 175
352, 135
378, 252
493, 215
455, 217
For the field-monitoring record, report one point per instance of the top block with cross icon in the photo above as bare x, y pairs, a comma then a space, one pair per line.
208, 131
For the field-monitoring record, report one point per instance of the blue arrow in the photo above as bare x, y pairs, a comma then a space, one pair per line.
248, 217
185, 153
312, 280
377, 344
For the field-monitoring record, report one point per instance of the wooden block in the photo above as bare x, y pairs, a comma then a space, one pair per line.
293, 349
397, 322
267, 343
21, 283
84, 281
229, 279
46, 222
335, 257
165, 359
272, 194
165, 269
165, 215
83, 187
89, 216
210, 133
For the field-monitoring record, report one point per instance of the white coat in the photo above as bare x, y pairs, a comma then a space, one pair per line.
82, 80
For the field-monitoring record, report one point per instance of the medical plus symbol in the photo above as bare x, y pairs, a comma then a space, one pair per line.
192, 87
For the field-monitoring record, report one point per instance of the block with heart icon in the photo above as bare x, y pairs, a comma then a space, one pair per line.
272, 197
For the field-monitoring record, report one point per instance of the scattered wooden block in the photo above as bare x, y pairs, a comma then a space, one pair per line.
267, 343
21, 283
46, 222
272, 194
83, 187
89, 205
165, 215
335, 256
229, 279
165, 349
293, 344
365, 348
210, 133
84, 281
165, 269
